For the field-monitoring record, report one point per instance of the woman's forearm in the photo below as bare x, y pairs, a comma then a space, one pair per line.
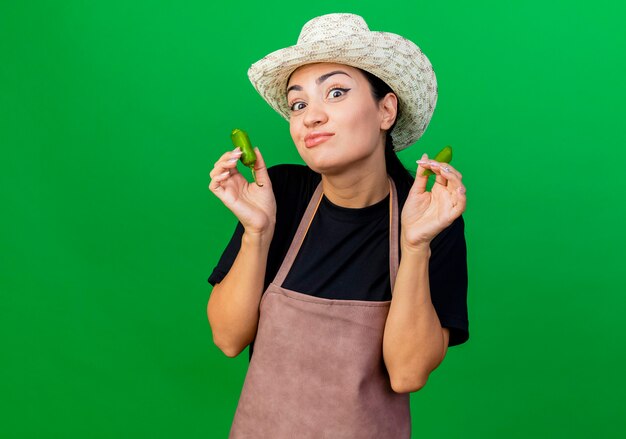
413, 344
233, 308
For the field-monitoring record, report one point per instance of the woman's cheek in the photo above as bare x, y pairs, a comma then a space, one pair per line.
294, 134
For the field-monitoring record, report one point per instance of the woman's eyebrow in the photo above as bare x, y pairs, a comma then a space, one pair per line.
321, 79
294, 87
328, 75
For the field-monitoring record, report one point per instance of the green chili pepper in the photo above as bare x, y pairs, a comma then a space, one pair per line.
443, 156
248, 157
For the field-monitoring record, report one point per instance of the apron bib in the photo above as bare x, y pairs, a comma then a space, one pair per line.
317, 370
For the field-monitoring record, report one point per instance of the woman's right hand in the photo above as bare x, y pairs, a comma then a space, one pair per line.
253, 205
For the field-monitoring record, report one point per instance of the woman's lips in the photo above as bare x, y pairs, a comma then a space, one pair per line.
315, 139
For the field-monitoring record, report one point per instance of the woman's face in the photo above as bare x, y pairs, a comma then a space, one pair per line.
335, 122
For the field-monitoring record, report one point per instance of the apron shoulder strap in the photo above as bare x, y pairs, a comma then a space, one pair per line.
297, 240
394, 247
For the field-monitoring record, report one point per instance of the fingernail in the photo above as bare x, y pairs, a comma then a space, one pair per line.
233, 159
223, 174
434, 165
236, 150
422, 162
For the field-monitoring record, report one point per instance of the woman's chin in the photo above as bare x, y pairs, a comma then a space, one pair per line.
327, 168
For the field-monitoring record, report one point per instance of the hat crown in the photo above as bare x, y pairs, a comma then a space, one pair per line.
332, 26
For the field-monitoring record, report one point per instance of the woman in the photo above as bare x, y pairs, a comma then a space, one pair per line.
343, 329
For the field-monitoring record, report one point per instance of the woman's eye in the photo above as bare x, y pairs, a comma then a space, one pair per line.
337, 92
297, 106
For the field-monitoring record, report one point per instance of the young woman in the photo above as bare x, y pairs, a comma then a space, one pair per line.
346, 278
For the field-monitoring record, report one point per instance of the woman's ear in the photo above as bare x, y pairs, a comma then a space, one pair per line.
389, 110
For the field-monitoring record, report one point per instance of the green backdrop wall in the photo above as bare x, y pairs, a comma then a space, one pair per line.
112, 114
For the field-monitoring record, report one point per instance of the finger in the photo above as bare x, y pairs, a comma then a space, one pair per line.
215, 184
456, 188
260, 169
445, 174
228, 162
428, 165
435, 167
448, 168
439, 178
459, 197
452, 176
459, 202
419, 185
228, 155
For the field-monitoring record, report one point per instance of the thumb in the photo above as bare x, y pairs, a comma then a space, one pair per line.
419, 186
260, 169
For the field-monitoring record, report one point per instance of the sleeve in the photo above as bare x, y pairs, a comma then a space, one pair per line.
232, 248
449, 280
228, 256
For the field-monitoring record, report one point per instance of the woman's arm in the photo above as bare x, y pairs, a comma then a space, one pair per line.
233, 307
414, 343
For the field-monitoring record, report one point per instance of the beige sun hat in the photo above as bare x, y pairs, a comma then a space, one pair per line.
346, 39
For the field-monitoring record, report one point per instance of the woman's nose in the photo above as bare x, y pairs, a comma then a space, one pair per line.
315, 115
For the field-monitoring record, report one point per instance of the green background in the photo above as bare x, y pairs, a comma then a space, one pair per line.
112, 114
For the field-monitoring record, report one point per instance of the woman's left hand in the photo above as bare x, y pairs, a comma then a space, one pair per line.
425, 214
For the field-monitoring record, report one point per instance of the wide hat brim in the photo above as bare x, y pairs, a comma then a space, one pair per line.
390, 57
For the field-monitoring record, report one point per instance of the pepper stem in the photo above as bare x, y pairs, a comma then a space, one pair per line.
254, 176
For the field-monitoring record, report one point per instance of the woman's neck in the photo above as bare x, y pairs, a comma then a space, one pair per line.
357, 188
